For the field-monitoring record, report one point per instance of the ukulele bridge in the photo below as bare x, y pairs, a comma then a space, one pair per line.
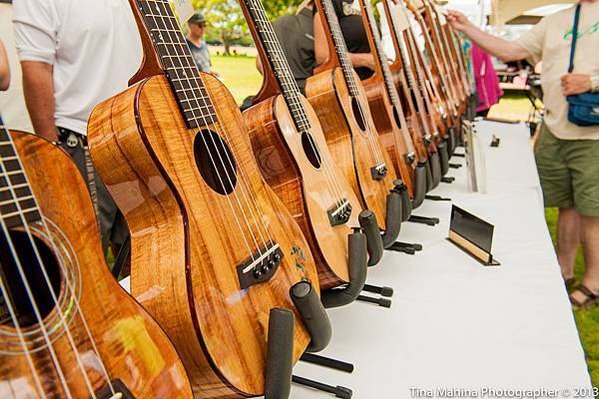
118, 391
260, 266
379, 171
340, 213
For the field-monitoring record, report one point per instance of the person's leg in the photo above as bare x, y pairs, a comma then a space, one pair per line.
568, 239
583, 161
557, 193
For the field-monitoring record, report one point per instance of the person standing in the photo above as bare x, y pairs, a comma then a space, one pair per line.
4, 69
75, 54
196, 28
296, 35
567, 155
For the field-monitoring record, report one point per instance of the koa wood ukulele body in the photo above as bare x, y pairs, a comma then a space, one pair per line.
339, 99
294, 158
67, 329
404, 146
213, 249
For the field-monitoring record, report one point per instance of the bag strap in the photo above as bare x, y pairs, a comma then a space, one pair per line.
574, 37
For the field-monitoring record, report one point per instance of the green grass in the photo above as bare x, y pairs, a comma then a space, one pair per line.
239, 74
587, 320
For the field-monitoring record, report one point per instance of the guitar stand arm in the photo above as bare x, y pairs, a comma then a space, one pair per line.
279, 355
357, 274
313, 315
434, 161
396, 200
338, 391
405, 247
419, 184
448, 180
381, 290
374, 241
324, 361
424, 220
437, 198
444, 156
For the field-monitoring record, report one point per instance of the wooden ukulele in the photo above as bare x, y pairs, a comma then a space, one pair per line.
445, 47
437, 63
412, 101
67, 330
213, 250
294, 158
408, 64
428, 84
405, 146
339, 99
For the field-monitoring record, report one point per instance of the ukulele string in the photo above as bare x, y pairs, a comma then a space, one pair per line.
429, 88
254, 208
432, 60
51, 289
20, 335
408, 48
289, 86
341, 49
161, 11
434, 57
290, 90
394, 29
391, 90
31, 297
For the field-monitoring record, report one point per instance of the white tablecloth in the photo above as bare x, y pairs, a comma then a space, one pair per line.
455, 323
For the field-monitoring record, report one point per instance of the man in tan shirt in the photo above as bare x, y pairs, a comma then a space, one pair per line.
567, 155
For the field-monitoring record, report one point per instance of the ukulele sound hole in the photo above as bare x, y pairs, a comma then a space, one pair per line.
357, 110
215, 162
18, 297
311, 150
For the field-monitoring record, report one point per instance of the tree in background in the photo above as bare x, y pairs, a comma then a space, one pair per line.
226, 23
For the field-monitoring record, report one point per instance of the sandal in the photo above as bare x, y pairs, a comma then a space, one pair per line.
591, 299
570, 283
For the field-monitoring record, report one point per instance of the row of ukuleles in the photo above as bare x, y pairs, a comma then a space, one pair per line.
244, 227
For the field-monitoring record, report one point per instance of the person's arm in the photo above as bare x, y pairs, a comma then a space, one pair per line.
321, 48
503, 49
4, 69
38, 88
36, 28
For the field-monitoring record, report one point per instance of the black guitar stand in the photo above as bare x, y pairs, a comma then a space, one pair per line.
122, 258
455, 165
419, 184
447, 180
433, 172
328, 362
338, 391
279, 357
437, 198
443, 156
429, 221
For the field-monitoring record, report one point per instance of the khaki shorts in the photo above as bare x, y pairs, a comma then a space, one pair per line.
569, 172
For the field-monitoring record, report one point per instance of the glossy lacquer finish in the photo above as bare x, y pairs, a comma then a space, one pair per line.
305, 190
185, 241
356, 150
130, 344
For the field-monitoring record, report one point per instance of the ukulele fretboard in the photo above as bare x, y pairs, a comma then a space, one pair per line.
340, 47
278, 64
177, 62
17, 203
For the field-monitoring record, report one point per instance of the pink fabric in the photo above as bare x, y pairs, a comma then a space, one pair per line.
487, 82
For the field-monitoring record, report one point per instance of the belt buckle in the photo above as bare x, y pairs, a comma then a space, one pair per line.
72, 140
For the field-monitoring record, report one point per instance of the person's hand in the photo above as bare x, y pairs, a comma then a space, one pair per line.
576, 83
458, 20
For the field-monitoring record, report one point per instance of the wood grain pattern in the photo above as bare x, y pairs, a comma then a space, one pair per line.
130, 344
305, 190
354, 150
186, 243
